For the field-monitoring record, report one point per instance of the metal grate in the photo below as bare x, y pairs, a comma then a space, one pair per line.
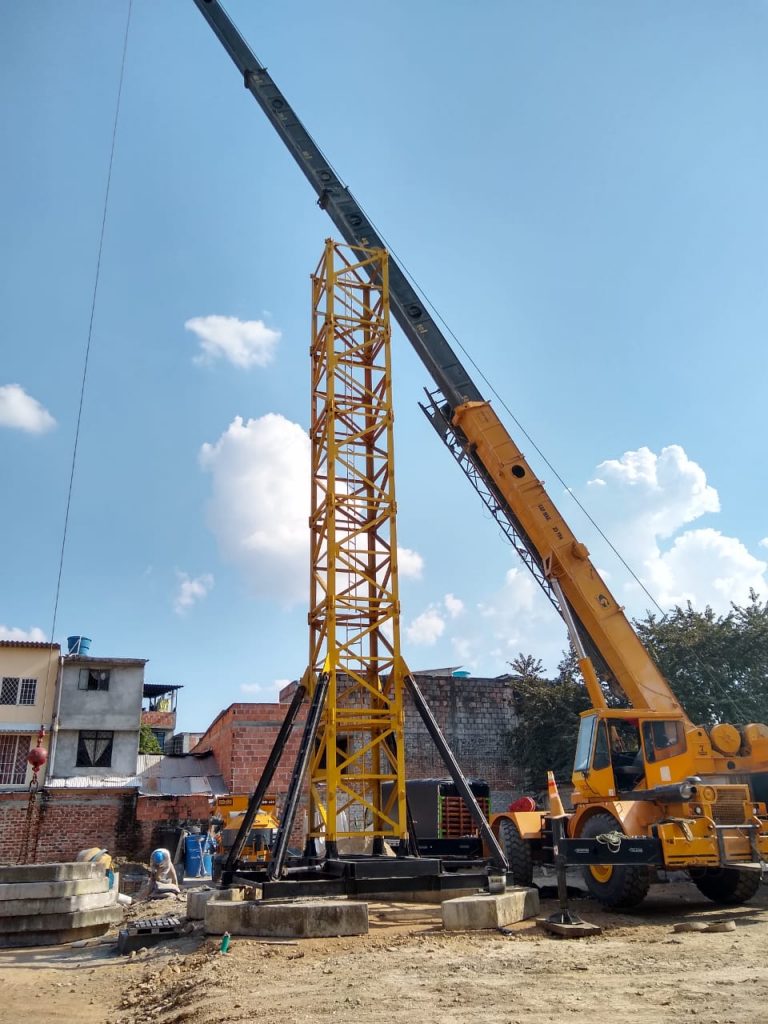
9, 690
13, 760
28, 691
729, 806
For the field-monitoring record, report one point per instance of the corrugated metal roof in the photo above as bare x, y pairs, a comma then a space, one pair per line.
157, 775
158, 689
29, 643
95, 782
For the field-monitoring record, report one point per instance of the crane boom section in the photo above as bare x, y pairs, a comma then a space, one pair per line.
346, 213
524, 502
565, 559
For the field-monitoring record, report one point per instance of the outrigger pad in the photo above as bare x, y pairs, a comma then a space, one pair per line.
567, 925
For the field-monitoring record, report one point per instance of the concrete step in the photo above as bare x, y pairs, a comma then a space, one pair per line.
106, 916
60, 872
52, 938
297, 919
486, 911
52, 890
56, 905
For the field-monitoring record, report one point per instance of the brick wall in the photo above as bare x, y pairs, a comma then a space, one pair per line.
475, 716
159, 719
56, 824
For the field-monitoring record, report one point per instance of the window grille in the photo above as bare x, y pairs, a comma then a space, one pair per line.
94, 749
13, 760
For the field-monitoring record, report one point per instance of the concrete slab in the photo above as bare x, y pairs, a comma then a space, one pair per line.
49, 872
61, 922
197, 901
490, 911
58, 905
298, 919
55, 938
52, 890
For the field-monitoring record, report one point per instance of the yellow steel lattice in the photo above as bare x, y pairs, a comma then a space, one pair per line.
357, 771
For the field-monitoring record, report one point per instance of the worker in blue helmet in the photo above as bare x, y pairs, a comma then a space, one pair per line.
162, 879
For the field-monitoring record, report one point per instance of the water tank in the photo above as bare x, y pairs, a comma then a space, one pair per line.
78, 644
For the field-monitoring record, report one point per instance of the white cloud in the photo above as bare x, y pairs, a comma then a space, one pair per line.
21, 411
35, 634
259, 504
643, 501
453, 605
191, 591
244, 343
267, 692
426, 629
763, 543
410, 564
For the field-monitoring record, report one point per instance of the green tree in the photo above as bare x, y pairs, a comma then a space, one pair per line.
548, 718
148, 743
717, 665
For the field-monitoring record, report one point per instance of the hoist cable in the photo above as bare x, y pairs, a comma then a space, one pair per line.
90, 323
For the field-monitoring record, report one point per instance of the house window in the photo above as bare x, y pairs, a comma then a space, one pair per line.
94, 749
93, 679
13, 759
14, 690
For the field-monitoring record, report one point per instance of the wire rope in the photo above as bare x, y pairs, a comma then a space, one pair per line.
94, 295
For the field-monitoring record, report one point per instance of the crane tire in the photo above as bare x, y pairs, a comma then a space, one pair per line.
728, 886
621, 886
517, 851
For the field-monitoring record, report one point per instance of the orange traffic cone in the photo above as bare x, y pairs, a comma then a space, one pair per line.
556, 809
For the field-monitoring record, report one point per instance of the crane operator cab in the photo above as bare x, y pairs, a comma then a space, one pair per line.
618, 752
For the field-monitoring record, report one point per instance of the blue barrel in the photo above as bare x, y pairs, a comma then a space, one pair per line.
197, 857
78, 644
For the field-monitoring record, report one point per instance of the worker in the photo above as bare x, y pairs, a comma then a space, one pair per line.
162, 880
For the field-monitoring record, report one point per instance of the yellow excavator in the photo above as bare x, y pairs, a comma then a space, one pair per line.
228, 813
652, 790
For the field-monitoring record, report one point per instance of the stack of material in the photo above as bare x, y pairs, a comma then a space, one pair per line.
45, 904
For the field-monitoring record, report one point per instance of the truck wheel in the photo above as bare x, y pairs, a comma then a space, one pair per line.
517, 851
618, 886
728, 886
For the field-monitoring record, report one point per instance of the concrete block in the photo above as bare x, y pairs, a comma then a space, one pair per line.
53, 938
105, 916
52, 890
485, 911
50, 872
197, 900
299, 919
57, 905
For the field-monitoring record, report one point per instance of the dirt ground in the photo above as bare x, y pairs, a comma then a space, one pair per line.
408, 969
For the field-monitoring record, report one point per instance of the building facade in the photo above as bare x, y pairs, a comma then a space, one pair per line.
98, 716
28, 673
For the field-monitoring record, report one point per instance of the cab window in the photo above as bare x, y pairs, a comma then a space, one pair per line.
602, 758
663, 740
584, 743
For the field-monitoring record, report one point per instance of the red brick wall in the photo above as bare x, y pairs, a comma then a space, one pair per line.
159, 719
62, 822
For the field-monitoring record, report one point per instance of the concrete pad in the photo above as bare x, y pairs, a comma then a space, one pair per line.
52, 890
490, 911
50, 872
61, 922
298, 919
55, 938
196, 902
58, 905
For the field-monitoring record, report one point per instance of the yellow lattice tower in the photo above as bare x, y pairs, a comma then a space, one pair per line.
354, 604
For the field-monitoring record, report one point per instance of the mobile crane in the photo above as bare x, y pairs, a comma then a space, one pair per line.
651, 789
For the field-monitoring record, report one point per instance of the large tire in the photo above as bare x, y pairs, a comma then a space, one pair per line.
517, 851
619, 887
728, 886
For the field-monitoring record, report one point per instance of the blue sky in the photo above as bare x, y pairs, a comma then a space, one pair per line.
580, 190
